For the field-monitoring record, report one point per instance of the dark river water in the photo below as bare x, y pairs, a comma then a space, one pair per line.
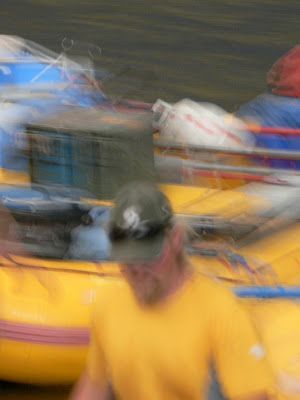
212, 50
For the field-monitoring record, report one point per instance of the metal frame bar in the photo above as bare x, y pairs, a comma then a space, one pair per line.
259, 152
177, 162
274, 130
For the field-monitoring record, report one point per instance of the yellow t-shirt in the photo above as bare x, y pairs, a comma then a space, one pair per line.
164, 352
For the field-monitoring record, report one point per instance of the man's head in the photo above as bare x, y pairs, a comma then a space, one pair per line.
145, 240
284, 77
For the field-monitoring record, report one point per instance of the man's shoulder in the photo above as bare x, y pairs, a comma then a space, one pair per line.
207, 282
266, 103
214, 291
109, 286
111, 291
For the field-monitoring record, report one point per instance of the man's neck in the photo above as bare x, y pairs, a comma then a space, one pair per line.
182, 274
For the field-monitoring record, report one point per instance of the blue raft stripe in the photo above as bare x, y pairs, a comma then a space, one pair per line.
268, 292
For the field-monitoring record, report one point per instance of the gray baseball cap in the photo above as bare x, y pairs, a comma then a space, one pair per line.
138, 222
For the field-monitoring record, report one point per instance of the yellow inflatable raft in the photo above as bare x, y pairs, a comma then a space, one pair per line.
46, 305
44, 318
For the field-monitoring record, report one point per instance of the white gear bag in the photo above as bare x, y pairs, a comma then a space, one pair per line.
204, 124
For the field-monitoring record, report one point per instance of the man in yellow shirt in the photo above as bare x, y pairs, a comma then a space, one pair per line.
157, 333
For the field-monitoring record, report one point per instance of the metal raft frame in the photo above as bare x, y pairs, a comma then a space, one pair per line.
281, 176
221, 170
